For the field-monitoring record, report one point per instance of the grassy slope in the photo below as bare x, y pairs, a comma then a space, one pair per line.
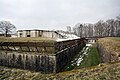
100, 72
27, 39
110, 44
92, 59
103, 72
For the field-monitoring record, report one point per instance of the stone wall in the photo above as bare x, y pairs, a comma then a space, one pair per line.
43, 61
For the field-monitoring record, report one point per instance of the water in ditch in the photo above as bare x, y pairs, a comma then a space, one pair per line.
78, 59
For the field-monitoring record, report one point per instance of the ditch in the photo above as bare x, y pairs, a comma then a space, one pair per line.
87, 57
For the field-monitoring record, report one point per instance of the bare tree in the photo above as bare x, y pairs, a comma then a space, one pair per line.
111, 27
69, 30
85, 30
77, 29
118, 26
99, 28
6, 28
90, 30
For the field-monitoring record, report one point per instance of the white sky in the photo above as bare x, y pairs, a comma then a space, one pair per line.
56, 14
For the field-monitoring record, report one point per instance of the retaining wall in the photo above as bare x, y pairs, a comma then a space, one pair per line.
47, 58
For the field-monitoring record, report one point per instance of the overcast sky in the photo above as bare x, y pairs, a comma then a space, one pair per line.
56, 14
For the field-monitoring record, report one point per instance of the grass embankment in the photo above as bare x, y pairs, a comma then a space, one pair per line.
92, 59
101, 72
109, 49
89, 58
111, 44
26, 39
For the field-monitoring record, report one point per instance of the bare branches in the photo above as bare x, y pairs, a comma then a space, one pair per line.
7, 28
102, 28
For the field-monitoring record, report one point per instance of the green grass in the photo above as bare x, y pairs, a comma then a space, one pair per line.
70, 68
92, 59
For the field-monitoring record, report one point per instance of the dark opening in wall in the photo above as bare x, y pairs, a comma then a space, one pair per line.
95, 40
28, 35
20, 34
119, 55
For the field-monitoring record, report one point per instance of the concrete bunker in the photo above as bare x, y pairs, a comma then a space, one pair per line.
47, 57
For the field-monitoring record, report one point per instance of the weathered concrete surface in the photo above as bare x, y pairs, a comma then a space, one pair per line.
38, 33
33, 56
64, 56
37, 62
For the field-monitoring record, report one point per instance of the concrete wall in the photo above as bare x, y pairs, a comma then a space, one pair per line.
65, 55
38, 33
19, 34
42, 61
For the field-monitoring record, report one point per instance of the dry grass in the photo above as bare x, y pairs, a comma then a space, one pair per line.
28, 39
110, 44
100, 72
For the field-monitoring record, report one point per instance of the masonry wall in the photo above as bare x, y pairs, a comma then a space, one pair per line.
64, 56
43, 61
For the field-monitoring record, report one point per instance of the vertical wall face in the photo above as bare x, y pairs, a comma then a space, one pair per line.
24, 34
38, 33
33, 33
47, 34
38, 60
66, 53
19, 33
44, 63
56, 35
